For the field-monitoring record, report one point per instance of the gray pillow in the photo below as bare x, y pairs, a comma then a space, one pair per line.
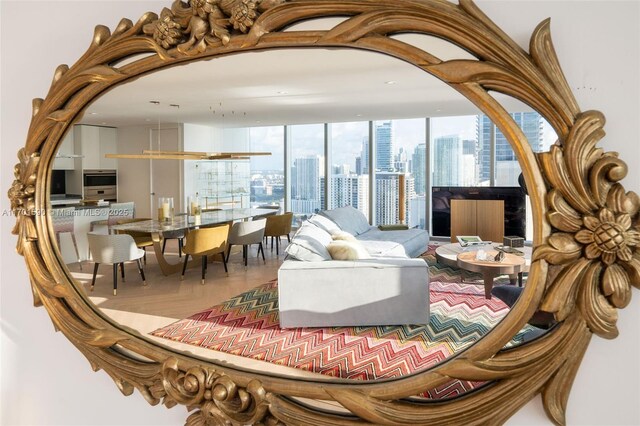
309, 244
348, 219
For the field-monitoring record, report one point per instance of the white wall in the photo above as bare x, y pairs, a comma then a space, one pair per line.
45, 381
133, 140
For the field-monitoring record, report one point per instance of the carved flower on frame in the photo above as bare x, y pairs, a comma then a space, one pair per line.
22, 196
165, 31
597, 248
609, 237
243, 15
203, 7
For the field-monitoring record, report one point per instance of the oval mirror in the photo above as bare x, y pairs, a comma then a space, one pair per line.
203, 185
326, 109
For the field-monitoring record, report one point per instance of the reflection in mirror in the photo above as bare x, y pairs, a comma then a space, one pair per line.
407, 153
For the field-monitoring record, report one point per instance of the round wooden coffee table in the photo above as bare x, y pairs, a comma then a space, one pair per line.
510, 265
447, 254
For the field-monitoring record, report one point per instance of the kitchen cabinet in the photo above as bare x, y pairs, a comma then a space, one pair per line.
65, 156
93, 142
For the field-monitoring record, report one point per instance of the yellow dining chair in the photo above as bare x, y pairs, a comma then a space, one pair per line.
277, 226
206, 242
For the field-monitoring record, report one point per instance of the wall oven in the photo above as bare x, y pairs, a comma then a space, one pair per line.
100, 185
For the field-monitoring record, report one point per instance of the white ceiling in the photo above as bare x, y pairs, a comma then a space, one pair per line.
288, 86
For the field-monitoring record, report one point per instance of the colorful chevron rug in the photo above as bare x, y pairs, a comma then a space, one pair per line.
247, 325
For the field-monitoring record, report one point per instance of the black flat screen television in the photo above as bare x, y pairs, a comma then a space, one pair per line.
515, 215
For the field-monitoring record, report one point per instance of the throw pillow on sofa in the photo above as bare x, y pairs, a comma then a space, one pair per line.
347, 250
309, 244
348, 219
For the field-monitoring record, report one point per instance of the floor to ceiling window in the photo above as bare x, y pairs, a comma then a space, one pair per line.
349, 169
267, 173
307, 170
412, 175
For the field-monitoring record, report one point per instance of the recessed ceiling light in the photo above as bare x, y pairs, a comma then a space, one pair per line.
439, 110
283, 92
93, 113
390, 82
104, 122
358, 115
258, 121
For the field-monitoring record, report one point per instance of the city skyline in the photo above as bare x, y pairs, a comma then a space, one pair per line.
308, 139
460, 151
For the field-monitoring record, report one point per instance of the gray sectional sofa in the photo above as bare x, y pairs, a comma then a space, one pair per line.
389, 286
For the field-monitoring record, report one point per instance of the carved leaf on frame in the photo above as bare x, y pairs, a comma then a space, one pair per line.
544, 56
598, 256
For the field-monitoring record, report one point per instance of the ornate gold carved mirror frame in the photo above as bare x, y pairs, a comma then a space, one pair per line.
587, 244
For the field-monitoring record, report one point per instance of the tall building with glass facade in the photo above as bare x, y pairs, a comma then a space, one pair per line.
446, 154
363, 159
418, 167
384, 147
307, 170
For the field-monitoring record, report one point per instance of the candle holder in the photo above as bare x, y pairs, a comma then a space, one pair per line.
165, 209
194, 210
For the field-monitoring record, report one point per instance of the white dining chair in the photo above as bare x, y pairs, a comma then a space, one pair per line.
245, 234
115, 249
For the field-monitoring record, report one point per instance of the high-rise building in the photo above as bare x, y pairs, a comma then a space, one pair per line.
447, 153
343, 169
388, 198
384, 147
307, 178
507, 168
401, 162
364, 157
350, 190
484, 129
418, 167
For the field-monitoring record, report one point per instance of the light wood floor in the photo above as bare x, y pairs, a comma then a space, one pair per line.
166, 299
170, 297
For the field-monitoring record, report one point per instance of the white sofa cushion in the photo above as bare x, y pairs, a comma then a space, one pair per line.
410, 242
347, 250
324, 223
348, 219
309, 244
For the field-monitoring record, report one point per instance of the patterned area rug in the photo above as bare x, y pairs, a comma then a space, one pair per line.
247, 325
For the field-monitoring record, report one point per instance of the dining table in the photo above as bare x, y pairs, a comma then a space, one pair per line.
156, 229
